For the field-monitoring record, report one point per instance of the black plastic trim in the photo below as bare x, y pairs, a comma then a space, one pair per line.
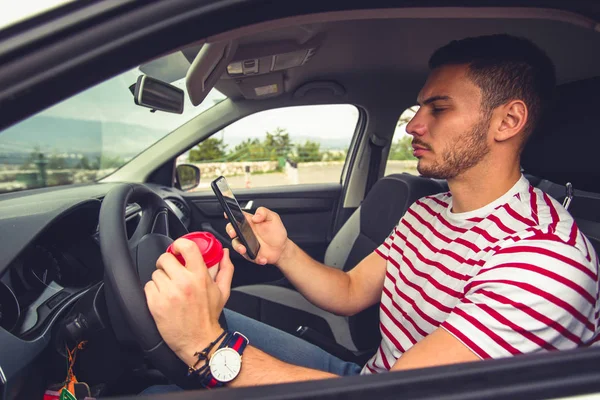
538, 376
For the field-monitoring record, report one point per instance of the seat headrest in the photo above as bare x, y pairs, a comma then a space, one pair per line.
566, 145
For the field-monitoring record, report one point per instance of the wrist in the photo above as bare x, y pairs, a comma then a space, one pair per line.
188, 353
287, 254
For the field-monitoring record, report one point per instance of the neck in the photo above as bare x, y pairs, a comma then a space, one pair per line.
477, 188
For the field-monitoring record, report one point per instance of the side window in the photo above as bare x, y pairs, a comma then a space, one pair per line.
401, 157
284, 146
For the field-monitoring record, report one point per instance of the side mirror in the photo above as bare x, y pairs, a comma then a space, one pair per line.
187, 177
157, 95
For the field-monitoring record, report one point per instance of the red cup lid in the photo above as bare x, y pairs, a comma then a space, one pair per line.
210, 247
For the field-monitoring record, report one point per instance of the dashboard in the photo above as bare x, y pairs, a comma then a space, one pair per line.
49, 259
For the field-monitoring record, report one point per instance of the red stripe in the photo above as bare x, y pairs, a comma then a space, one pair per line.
573, 235
535, 290
441, 203
427, 277
533, 314
371, 369
444, 238
475, 219
504, 321
587, 250
484, 329
594, 340
384, 360
428, 225
398, 324
549, 274
391, 337
419, 289
468, 342
238, 343
517, 216
441, 251
483, 233
440, 218
553, 213
500, 225
438, 265
404, 314
533, 203
549, 253
381, 254
411, 302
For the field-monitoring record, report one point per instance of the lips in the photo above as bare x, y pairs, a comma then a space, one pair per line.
419, 150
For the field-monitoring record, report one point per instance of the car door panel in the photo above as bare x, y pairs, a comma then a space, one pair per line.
307, 212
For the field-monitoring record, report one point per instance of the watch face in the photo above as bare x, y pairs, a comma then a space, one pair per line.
225, 364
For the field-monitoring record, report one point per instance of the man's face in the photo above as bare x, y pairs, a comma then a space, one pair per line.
450, 131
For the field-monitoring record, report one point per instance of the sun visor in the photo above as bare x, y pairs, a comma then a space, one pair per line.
262, 86
206, 69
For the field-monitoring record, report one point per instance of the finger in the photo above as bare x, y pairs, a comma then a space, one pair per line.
161, 280
261, 215
170, 265
151, 291
261, 260
225, 275
225, 215
238, 246
230, 231
191, 254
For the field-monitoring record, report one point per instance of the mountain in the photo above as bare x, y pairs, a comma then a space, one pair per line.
54, 135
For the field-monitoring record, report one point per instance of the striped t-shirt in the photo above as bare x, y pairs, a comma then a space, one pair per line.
516, 276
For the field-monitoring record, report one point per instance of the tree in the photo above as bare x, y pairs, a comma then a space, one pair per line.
309, 151
402, 149
208, 150
56, 161
248, 150
277, 143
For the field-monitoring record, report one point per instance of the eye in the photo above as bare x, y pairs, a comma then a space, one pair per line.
437, 110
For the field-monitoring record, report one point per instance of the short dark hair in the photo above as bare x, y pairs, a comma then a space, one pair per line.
505, 68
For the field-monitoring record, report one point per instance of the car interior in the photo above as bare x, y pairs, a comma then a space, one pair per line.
99, 241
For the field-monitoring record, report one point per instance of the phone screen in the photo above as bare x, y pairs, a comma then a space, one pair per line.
231, 204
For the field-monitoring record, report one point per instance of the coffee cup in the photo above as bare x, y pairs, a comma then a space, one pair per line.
209, 246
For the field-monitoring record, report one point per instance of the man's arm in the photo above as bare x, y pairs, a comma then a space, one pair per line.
438, 348
186, 303
339, 292
328, 288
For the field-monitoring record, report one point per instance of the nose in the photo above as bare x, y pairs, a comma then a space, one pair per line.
416, 126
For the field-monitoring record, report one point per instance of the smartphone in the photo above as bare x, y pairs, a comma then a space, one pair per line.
236, 216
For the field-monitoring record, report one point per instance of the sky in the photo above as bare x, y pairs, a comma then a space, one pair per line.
14, 11
111, 103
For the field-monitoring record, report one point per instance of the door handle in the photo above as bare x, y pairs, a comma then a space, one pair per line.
248, 206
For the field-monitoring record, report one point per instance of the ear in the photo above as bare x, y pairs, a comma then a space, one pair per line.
512, 118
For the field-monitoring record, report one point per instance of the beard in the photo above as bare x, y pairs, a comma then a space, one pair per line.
462, 154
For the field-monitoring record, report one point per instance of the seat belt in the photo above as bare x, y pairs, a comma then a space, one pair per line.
376, 145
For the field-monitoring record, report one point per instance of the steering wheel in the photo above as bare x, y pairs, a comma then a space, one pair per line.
129, 264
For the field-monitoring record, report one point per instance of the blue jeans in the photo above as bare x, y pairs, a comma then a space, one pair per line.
281, 345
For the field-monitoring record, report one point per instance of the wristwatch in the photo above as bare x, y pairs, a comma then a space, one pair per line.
226, 363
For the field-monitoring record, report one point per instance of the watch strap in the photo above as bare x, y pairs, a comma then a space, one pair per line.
235, 341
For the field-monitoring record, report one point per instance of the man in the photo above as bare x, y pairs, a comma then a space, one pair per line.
491, 269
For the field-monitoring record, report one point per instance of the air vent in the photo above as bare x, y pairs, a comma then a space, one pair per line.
180, 206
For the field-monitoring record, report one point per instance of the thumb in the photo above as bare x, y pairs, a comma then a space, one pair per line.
224, 276
262, 214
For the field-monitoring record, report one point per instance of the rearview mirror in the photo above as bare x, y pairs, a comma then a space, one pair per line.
158, 95
187, 177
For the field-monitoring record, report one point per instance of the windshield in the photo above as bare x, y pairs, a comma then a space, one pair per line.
88, 136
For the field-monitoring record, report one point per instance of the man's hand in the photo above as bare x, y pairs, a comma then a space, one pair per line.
185, 302
269, 231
